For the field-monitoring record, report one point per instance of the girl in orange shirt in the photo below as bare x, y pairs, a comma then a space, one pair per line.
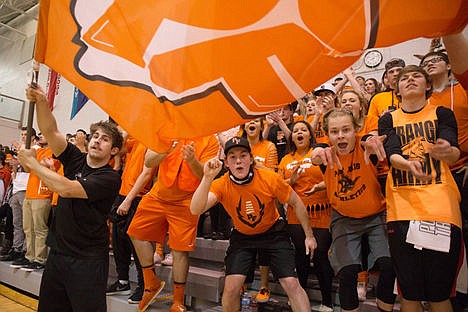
307, 180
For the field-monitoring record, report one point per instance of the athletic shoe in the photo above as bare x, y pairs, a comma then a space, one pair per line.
218, 236
20, 263
149, 295
6, 247
177, 307
12, 256
136, 296
118, 288
263, 295
362, 291
167, 259
157, 258
322, 308
33, 266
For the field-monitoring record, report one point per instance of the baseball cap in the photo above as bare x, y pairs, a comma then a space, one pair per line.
236, 142
394, 62
325, 87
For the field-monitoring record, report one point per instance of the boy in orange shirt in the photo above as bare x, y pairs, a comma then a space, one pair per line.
249, 196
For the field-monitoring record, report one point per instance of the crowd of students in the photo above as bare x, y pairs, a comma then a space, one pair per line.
356, 176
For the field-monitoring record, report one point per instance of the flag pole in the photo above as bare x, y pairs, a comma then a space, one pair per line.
34, 78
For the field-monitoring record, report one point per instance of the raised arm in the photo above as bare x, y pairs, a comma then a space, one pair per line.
154, 159
203, 199
188, 154
46, 120
457, 49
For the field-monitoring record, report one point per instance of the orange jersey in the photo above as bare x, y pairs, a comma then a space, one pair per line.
252, 206
265, 154
5, 175
381, 102
409, 198
297, 118
320, 135
176, 181
454, 97
36, 189
354, 191
371, 123
318, 206
135, 160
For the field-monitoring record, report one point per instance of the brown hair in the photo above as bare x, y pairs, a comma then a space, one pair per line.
362, 102
110, 129
411, 69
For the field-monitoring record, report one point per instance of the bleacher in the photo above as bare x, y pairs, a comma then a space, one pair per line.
204, 285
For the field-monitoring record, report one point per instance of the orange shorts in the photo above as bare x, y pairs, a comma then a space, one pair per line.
155, 218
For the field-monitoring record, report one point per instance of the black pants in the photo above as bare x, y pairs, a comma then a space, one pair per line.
121, 243
73, 284
6, 213
322, 266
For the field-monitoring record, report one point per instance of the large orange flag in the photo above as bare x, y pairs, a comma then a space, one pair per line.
185, 68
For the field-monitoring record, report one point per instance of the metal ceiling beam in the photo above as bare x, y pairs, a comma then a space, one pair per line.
22, 11
13, 29
3, 37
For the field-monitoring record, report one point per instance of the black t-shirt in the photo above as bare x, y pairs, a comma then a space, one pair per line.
276, 135
79, 226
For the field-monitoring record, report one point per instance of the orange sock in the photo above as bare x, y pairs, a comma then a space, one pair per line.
363, 276
179, 289
150, 278
160, 250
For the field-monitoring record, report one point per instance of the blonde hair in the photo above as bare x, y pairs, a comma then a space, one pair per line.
338, 112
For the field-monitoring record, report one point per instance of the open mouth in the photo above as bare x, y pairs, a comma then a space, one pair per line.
300, 138
342, 145
252, 128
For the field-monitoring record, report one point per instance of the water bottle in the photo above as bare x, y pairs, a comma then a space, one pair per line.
245, 302
253, 303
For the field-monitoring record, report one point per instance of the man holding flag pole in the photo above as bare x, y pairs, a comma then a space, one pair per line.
75, 276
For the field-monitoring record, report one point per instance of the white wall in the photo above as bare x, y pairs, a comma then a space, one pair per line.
15, 63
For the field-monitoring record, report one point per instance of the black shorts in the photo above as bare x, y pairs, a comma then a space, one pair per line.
275, 245
73, 284
423, 275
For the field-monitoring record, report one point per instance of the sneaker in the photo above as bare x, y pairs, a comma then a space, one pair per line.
362, 291
118, 288
167, 259
20, 263
218, 236
207, 235
177, 307
157, 258
33, 266
6, 247
263, 295
148, 296
322, 308
12, 256
136, 296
